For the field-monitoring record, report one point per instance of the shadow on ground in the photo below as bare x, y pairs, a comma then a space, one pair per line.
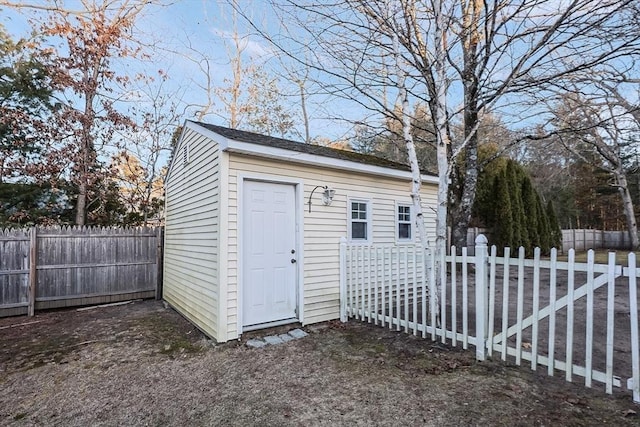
142, 364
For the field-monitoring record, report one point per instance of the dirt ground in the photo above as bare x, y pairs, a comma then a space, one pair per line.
142, 364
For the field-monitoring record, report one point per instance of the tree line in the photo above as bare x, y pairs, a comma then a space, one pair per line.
520, 61
534, 102
87, 126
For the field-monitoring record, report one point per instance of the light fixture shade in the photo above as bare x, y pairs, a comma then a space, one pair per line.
327, 196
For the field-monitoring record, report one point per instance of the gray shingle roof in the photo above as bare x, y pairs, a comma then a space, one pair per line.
254, 138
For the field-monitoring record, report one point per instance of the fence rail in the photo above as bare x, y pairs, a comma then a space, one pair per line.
560, 316
56, 267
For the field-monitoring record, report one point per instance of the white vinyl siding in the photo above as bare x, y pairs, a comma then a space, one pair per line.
191, 275
323, 226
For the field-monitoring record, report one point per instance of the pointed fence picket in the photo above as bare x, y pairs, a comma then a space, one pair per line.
532, 317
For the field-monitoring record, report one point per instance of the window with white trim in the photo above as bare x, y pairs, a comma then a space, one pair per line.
359, 220
404, 223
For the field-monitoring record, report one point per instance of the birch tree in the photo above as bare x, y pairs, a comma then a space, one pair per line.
461, 58
416, 178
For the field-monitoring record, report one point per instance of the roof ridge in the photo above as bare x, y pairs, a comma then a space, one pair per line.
288, 144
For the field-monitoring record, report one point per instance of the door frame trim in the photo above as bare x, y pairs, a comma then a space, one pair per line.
298, 185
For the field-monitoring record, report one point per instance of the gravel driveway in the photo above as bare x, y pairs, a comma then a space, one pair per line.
142, 364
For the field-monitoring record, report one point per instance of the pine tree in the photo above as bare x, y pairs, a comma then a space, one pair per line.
25, 96
502, 230
544, 232
510, 206
520, 235
554, 229
530, 214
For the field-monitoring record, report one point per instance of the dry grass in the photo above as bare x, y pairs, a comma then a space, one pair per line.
601, 256
142, 364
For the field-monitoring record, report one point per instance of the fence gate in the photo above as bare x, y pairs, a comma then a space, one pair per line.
548, 336
579, 318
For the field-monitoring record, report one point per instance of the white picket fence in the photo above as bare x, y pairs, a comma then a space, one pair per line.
577, 318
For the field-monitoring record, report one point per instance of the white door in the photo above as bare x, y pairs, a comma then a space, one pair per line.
269, 259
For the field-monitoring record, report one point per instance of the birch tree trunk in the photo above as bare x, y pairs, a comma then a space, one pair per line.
483, 50
416, 177
442, 136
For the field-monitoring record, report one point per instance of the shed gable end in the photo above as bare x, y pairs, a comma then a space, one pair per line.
192, 230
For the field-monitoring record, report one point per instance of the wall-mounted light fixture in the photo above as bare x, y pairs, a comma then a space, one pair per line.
327, 195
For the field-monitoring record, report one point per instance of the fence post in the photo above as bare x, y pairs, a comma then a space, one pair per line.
634, 382
481, 296
33, 253
159, 260
343, 279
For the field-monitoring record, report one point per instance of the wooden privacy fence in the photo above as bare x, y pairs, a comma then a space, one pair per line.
578, 319
582, 239
579, 239
57, 267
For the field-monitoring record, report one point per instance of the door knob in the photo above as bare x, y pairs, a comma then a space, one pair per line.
293, 261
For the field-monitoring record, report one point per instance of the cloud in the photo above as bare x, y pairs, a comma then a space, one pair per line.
252, 48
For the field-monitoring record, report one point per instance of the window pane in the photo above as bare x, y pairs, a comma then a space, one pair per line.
404, 231
359, 230
358, 210
404, 213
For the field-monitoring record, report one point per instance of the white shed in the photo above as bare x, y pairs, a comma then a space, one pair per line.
253, 226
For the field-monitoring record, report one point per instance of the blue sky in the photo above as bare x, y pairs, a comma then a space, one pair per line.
205, 26
208, 26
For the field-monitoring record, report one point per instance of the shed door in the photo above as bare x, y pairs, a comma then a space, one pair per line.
269, 237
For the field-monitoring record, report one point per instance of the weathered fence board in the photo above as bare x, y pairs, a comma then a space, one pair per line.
14, 271
60, 267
